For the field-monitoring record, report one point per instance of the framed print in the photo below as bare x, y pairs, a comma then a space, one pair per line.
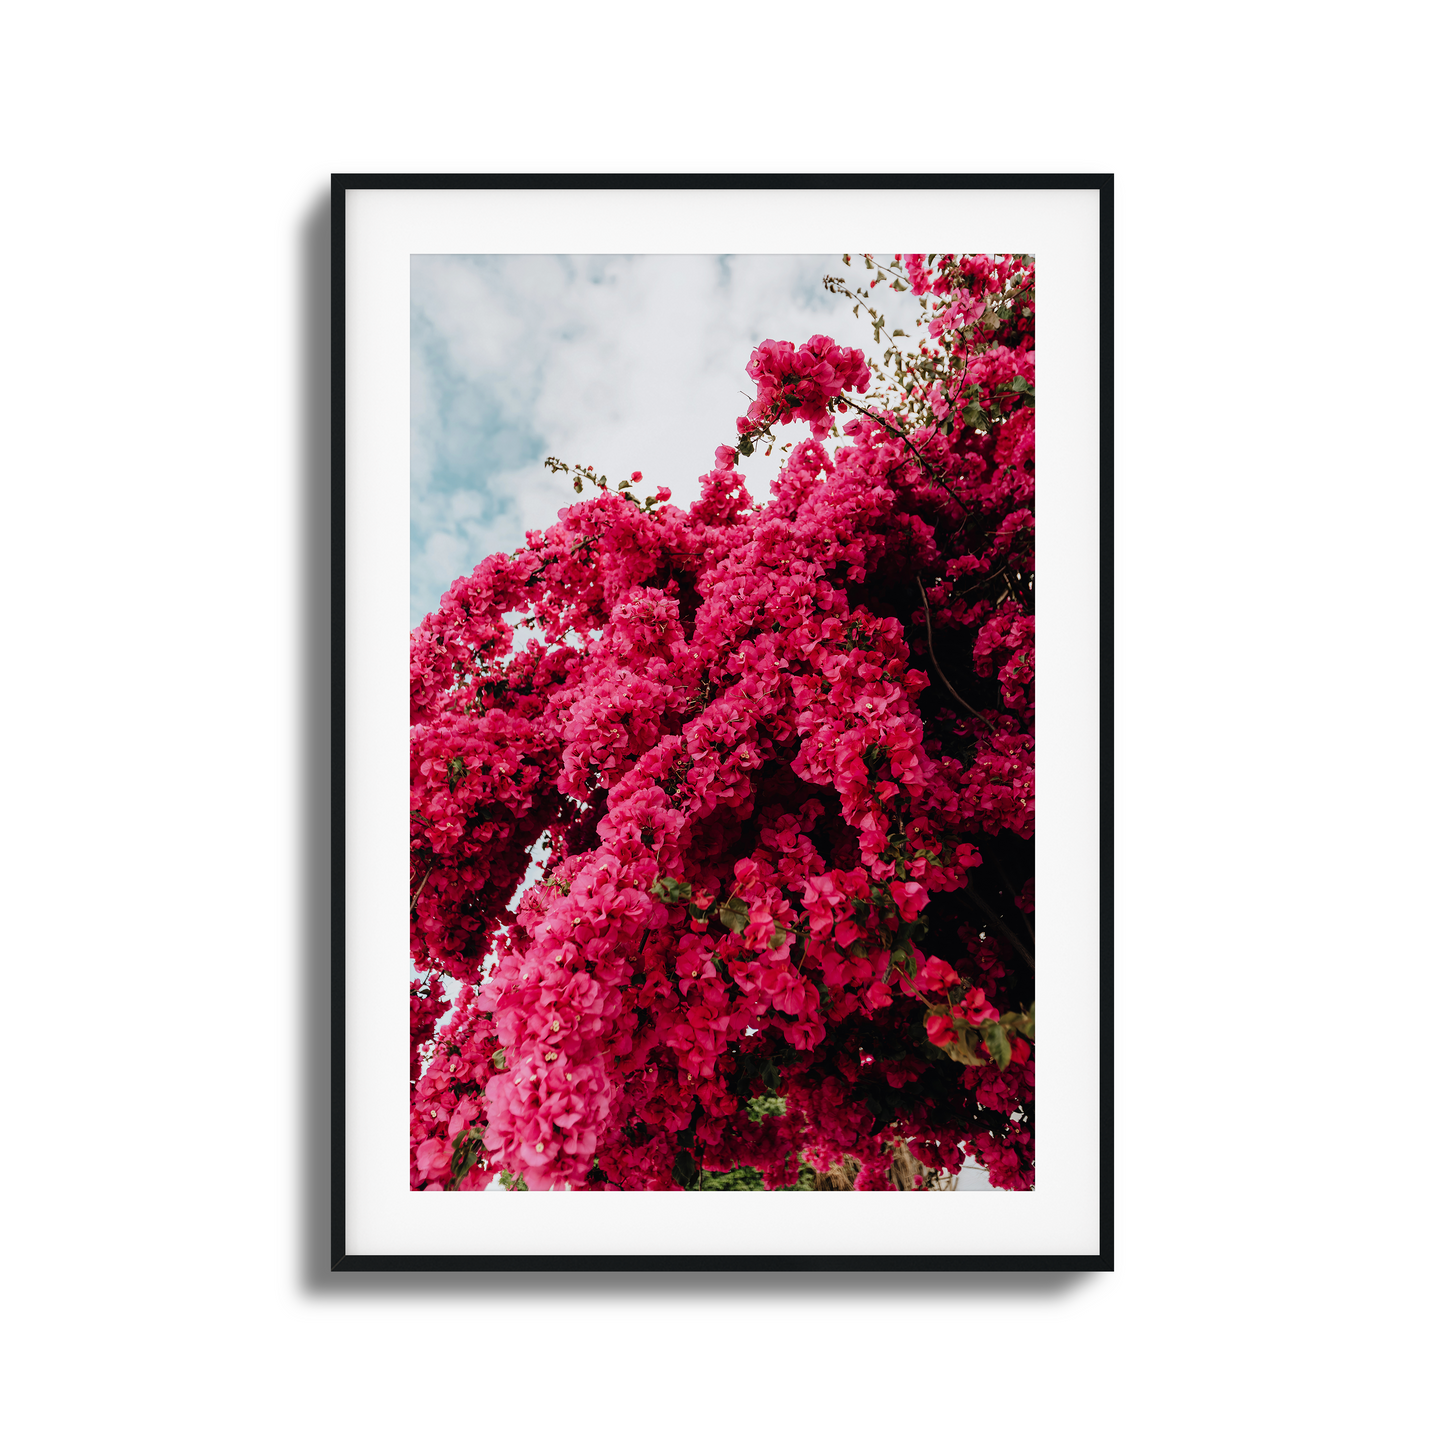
722, 624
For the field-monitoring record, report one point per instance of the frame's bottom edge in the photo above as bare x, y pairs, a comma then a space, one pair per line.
712, 1263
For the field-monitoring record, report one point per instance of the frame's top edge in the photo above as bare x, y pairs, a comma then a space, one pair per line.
1058, 180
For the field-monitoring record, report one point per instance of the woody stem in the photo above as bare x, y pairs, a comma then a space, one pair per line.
928, 621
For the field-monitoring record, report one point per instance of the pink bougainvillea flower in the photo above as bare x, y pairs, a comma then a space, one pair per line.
941, 1030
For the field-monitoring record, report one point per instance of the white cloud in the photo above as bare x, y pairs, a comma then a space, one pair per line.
633, 363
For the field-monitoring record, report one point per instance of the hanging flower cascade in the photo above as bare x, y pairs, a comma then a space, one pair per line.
777, 761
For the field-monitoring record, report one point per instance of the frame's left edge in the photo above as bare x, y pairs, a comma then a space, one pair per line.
338, 721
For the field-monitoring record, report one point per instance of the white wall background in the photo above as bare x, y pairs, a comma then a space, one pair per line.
163, 383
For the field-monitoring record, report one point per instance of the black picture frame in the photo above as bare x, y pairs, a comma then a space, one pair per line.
343, 1259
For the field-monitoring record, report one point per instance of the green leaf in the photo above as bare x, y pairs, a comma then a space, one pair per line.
465, 1152
962, 1050
766, 1106
733, 915
671, 890
999, 1048
743, 1177
499, 1059
1019, 1023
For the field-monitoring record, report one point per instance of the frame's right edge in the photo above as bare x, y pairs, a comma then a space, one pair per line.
1106, 722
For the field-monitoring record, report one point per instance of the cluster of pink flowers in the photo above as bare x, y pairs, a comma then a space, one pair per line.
762, 753
802, 384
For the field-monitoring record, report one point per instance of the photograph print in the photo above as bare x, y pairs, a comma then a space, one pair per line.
722, 722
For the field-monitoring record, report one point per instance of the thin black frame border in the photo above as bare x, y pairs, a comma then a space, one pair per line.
341, 1262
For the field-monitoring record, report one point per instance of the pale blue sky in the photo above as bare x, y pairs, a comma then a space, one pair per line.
634, 363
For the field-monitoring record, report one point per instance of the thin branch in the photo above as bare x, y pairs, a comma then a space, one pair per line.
419, 887
971, 892
928, 620
893, 431
984, 583
1013, 893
